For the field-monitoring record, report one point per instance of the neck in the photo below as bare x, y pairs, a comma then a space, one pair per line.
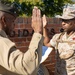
70, 33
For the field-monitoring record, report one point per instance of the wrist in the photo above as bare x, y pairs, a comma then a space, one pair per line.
45, 27
41, 32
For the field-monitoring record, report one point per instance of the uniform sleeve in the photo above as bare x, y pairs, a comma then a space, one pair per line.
53, 41
24, 63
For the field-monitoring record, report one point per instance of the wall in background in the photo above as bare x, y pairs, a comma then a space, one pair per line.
22, 35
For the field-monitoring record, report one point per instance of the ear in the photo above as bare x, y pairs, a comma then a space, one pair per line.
3, 21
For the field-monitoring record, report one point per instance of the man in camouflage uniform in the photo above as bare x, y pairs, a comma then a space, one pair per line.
12, 60
64, 43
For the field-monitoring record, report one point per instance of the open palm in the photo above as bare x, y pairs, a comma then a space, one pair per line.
44, 21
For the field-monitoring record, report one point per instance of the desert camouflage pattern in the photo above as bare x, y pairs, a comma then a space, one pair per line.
65, 53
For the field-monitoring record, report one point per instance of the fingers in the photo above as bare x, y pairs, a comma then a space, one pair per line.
39, 13
36, 12
44, 20
44, 16
36, 20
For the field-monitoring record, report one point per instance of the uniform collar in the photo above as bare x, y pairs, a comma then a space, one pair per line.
3, 34
72, 35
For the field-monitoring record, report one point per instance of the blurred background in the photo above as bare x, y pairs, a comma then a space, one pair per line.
23, 32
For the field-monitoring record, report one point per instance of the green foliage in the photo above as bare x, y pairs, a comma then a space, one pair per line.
48, 7
54, 7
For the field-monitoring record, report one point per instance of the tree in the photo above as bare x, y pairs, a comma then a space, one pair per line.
48, 7
54, 7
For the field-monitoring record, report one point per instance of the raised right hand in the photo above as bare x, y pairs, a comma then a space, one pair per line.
37, 20
44, 19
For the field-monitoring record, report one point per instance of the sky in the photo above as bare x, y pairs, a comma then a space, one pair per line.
73, 0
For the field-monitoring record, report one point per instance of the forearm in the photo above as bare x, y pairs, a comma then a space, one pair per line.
27, 63
22, 63
46, 36
36, 44
35, 51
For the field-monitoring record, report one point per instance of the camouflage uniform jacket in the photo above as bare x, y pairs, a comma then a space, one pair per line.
65, 53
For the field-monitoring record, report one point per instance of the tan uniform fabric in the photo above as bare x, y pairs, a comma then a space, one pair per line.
65, 56
15, 61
